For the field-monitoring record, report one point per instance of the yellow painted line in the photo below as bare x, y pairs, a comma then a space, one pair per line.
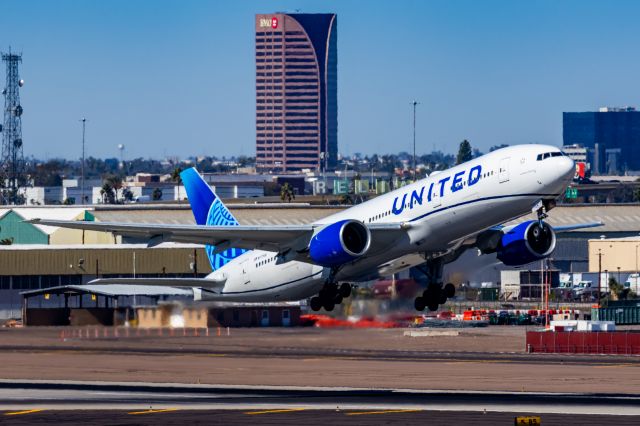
18, 413
366, 413
288, 410
164, 410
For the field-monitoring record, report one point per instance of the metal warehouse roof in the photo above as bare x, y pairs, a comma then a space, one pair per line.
112, 290
616, 217
28, 213
246, 215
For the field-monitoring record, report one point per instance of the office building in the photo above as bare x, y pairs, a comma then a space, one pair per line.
296, 92
612, 136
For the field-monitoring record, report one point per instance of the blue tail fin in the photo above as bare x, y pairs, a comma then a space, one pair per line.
208, 209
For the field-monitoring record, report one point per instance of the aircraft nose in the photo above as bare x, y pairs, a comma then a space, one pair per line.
567, 168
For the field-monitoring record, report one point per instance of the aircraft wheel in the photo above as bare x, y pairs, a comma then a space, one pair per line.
433, 307
345, 290
419, 303
315, 303
449, 290
442, 298
328, 306
338, 299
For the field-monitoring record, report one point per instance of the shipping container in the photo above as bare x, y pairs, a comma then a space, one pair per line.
622, 315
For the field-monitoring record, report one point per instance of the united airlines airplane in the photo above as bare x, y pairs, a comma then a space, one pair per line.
425, 224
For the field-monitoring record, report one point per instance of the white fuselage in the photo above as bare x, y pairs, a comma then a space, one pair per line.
442, 209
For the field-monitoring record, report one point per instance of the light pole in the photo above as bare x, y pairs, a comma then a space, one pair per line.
84, 122
414, 103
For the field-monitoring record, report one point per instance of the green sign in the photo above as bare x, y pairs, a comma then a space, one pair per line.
571, 193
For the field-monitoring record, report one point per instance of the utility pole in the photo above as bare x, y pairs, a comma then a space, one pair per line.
82, 202
599, 277
414, 103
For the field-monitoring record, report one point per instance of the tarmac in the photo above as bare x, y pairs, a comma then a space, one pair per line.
111, 402
307, 375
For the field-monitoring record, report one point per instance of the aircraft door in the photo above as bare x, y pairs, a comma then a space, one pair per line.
264, 321
246, 279
504, 170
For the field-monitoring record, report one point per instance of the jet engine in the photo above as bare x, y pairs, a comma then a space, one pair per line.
525, 243
339, 243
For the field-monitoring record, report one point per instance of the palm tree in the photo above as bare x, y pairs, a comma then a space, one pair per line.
175, 177
107, 193
116, 183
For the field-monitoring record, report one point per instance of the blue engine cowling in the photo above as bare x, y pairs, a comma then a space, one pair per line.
339, 243
526, 242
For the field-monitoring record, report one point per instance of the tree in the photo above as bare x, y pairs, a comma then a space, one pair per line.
495, 147
127, 194
156, 195
286, 192
116, 183
464, 152
175, 177
107, 193
617, 291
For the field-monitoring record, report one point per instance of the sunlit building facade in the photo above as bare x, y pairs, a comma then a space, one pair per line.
296, 92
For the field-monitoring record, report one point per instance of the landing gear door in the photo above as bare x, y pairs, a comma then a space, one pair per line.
504, 170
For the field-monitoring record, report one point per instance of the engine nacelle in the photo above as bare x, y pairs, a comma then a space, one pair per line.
526, 242
339, 243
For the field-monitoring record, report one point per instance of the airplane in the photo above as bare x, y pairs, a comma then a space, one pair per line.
426, 224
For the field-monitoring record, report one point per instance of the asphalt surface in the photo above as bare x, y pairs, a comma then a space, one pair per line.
33, 402
476, 360
306, 417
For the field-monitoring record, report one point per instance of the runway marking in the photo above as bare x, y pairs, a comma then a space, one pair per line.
150, 411
367, 413
288, 410
18, 413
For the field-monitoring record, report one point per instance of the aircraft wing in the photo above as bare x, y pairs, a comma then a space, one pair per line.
277, 238
165, 282
568, 228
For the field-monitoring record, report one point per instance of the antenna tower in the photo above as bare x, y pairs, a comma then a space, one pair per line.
12, 175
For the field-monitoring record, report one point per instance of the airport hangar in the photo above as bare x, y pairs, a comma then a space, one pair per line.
35, 262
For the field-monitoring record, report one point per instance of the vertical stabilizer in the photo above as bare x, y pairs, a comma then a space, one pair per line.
208, 209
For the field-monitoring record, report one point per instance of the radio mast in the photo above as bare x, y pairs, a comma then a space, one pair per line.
12, 176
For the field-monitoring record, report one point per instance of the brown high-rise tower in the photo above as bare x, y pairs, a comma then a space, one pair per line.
296, 92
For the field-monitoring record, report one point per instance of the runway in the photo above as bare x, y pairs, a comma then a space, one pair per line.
67, 402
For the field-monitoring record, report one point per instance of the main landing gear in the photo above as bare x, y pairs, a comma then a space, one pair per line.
330, 296
436, 294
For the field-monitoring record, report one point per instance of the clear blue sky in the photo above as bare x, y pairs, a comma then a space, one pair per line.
177, 77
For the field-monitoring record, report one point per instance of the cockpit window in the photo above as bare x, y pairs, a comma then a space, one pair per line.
546, 155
